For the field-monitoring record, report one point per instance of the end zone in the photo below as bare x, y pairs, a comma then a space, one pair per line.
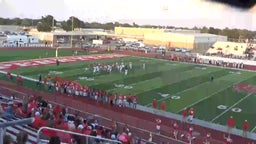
47, 61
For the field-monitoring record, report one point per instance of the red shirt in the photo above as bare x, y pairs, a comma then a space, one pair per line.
134, 99
163, 106
190, 131
45, 81
158, 121
246, 126
154, 104
120, 97
111, 97
8, 74
228, 141
192, 112
56, 78
231, 122
175, 126
184, 113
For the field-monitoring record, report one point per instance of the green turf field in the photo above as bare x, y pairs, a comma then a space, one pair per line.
179, 85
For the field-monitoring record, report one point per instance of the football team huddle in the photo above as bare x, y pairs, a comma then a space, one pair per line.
121, 67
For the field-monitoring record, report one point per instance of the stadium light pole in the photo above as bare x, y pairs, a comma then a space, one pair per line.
52, 24
72, 30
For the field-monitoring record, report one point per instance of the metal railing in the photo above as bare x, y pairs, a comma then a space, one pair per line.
12, 123
88, 138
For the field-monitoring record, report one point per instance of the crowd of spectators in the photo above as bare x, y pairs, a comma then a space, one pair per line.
55, 116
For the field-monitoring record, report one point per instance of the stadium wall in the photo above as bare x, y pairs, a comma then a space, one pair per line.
170, 40
136, 31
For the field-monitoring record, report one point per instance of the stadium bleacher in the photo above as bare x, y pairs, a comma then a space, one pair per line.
228, 49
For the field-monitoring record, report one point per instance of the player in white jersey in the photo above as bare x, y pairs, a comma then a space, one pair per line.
126, 70
130, 65
144, 66
109, 68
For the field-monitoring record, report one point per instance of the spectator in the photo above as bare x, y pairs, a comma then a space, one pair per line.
7, 139
22, 138
158, 125
228, 139
1, 111
54, 140
9, 111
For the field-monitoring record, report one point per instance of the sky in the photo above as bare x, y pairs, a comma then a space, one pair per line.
182, 13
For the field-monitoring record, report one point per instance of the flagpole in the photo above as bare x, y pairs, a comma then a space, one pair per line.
72, 29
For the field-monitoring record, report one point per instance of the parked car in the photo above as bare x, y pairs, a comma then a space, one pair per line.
185, 50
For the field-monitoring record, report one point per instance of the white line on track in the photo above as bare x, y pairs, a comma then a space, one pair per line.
212, 94
231, 107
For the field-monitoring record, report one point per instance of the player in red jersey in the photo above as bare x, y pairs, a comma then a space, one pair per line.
245, 128
184, 114
163, 106
231, 124
158, 125
134, 101
154, 103
191, 114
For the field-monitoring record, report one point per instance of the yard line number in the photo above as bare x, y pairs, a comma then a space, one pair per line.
224, 107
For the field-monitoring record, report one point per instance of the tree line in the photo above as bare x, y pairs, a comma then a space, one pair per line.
46, 24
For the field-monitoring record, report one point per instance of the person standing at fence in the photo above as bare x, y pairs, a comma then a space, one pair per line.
154, 104
184, 115
111, 99
245, 128
134, 101
231, 124
191, 115
163, 106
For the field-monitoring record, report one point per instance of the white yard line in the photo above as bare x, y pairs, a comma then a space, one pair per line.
231, 107
178, 93
211, 95
253, 129
181, 92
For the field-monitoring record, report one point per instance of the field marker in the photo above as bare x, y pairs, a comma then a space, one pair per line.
231, 107
253, 129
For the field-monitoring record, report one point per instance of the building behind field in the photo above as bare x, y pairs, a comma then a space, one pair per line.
190, 39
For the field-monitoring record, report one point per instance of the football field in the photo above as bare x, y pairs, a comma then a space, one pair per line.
180, 85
